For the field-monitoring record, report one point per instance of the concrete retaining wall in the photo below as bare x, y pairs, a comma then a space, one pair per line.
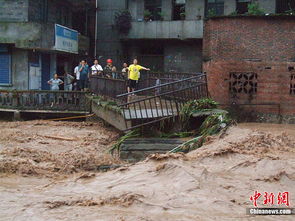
134, 150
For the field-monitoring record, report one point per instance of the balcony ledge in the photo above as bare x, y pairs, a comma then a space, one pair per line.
186, 29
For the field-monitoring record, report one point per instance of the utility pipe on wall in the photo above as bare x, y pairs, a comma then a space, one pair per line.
96, 17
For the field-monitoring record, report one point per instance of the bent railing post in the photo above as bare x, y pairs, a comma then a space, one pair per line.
159, 102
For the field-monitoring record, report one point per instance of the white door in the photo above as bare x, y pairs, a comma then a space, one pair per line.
35, 77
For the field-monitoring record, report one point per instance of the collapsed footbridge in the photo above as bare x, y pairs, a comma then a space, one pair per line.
159, 96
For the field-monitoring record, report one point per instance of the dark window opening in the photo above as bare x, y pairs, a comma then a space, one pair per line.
38, 10
242, 6
155, 49
77, 24
155, 8
292, 84
151, 54
283, 6
33, 58
243, 82
214, 8
63, 16
178, 9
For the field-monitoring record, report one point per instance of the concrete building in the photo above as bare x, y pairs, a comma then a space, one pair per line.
41, 37
166, 35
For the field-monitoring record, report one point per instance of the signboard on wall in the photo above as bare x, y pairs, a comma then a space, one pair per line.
66, 39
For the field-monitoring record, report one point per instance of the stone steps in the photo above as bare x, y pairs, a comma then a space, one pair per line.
136, 149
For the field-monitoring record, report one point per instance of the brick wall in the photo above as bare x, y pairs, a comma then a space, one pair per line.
13, 10
250, 61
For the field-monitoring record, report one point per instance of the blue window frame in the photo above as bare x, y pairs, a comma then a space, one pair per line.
5, 66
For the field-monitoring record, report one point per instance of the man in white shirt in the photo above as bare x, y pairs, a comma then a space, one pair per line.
96, 69
77, 75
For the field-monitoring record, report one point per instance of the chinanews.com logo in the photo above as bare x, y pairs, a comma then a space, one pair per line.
272, 204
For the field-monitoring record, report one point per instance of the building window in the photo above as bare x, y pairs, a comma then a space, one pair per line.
154, 7
292, 84
214, 7
242, 6
178, 9
243, 82
283, 6
5, 66
63, 16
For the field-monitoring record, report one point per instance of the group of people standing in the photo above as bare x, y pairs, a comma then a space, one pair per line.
82, 72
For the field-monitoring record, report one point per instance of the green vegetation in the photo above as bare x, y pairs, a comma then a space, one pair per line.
107, 104
254, 9
211, 13
177, 135
290, 11
196, 106
147, 15
123, 21
234, 13
117, 145
212, 125
216, 121
160, 15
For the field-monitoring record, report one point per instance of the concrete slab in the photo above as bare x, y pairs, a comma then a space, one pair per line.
147, 113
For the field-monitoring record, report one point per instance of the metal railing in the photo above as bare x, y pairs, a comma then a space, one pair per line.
109, 87
44, 100
160, 102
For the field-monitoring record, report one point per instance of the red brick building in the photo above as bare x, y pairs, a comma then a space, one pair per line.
250, 62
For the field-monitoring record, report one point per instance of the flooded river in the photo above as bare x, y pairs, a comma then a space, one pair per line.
214, 182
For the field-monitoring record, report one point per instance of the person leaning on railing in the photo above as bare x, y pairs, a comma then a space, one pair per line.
96, 69
55, 82
110, 71
68, 81
84, 72
124, 73
76, 82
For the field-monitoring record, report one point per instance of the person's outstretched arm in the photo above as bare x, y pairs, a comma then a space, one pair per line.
144, 68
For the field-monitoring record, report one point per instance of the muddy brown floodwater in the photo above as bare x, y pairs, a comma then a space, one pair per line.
42, 177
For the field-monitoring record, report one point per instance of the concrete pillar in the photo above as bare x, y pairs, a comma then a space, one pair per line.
16, 116
194, 8
167, 9
133, 9
140, 8
230, 6
66, 66
53, 64
268, 6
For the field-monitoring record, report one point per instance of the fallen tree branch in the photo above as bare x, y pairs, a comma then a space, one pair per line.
58, 138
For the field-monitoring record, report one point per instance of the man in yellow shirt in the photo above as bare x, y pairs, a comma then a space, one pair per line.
134, 75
